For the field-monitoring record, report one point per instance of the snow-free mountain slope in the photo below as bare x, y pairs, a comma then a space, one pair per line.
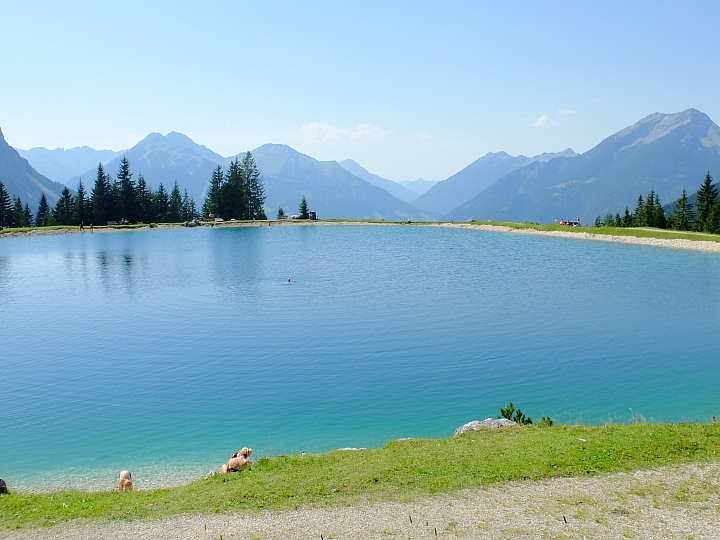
663, 152
22, 180
394, 188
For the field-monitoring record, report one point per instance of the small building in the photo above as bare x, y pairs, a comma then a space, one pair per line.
312, 214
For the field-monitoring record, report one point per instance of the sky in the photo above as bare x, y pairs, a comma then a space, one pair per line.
407, 89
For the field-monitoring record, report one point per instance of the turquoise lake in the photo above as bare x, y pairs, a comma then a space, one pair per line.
163, 351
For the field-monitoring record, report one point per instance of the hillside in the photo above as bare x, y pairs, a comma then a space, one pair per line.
165, 158
476, 177
394, 188
664, 152
330, 190
21, 180
60, 165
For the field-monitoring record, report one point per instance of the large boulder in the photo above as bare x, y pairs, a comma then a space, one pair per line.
489, 423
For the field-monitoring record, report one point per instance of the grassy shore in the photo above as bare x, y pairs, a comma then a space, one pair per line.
663, 234
401, 470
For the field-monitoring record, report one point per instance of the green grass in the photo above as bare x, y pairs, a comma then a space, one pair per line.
401, 470
613, 231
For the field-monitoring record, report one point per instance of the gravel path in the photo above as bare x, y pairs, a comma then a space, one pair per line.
671, 502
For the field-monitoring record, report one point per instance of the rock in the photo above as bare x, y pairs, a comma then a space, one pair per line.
489, 423
3, 486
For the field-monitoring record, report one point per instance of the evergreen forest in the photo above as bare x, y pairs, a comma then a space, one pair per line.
704, 216
237, 194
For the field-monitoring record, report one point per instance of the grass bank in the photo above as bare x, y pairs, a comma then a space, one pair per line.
666, 234
401, 470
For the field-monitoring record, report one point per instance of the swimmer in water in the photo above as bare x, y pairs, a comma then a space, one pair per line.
288, 282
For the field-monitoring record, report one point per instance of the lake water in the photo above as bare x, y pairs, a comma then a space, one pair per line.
162, 351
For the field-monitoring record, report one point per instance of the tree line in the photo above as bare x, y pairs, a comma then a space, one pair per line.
704, 216
238, 193
119, 199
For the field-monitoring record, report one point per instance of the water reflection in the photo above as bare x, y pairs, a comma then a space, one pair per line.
115, 268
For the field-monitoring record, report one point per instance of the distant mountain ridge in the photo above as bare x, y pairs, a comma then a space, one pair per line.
418, 186
22, 180
394, 188
663, 152
330, 189
476, 177
165, 159
60, 165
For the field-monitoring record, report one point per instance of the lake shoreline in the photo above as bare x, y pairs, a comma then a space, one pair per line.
674, 243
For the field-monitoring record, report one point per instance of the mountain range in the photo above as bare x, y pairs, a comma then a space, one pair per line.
61, 165
476, 177
21, 180
664, 152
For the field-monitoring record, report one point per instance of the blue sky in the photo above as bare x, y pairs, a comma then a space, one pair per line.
407, 89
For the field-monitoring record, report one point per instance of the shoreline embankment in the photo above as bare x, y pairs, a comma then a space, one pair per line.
699, 244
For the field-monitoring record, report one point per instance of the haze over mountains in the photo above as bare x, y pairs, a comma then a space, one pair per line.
61, 165
476, 177
21, 180
664, 152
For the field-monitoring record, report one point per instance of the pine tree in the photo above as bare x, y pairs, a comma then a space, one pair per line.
125, 190
211, 206
683, 218
234, 193
43, 212
304, 214
639, 213
255, 187
5, 209
63, 212
18, 213
712, 225
161, 204
707, 195
189, 212
627, 218
175, 208
280, 214
100, 198
609, 220
80, 210
143, 200
27, 216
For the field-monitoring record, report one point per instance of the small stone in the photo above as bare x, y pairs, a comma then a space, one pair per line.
489, 423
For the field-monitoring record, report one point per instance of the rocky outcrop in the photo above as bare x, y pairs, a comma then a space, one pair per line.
489, 423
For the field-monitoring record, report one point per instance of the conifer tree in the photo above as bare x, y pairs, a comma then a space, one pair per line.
63, 212
255, 187
189, 212
280, 214
18, 213
304, 214
234, 193
175, 207
80, 210
43, 212
100, 198
639, 213
161, 203
27, 216
143, 200
125, 192
707, 195
211, 206
683, 218
5, 209
627, 218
